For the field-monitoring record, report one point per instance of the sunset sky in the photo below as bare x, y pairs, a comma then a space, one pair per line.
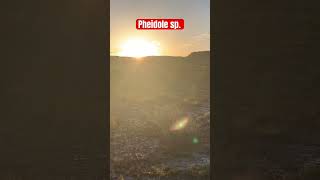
194, 37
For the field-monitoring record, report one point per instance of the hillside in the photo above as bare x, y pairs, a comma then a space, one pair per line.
153, 76
147, 97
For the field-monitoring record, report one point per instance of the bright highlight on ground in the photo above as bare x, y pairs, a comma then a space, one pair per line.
138, 48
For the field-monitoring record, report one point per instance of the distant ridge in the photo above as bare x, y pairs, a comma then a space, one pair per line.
199, 54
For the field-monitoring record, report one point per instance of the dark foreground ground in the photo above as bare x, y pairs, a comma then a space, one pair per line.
142, 148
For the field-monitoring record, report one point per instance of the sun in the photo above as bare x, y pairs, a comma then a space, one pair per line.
137, 47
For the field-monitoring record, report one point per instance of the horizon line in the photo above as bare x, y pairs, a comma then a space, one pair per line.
162, 55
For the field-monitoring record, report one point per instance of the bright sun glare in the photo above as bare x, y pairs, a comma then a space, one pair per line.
139, 48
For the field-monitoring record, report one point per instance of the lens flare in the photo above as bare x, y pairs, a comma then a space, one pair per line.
180, 124
195, 140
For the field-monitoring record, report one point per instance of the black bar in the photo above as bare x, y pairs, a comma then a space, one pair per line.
54, 76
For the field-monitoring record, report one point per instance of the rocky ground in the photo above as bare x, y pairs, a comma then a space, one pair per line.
143, 147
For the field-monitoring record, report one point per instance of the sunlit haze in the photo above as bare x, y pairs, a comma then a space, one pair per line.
126, 40
138, 47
